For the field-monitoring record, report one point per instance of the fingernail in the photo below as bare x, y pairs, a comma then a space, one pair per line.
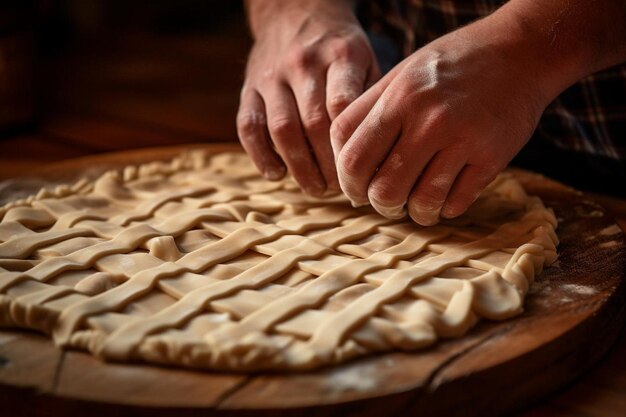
390, 212
358, 203
424, 216
448, 212
274, 174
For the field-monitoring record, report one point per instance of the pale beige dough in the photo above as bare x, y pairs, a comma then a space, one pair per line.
199, 262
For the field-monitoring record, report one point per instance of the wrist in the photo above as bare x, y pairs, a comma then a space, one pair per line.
265, 14
562, 41
510, 46
553, 64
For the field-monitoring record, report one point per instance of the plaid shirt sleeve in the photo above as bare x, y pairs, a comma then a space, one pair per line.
589, 117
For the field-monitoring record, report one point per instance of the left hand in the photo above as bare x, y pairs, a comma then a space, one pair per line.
437, 129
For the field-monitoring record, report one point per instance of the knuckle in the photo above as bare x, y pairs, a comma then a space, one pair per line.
301, 162
440, 184
282, 126
315, 121
266, 75
249, 122
300, 58
349, 163
344, 48
339, 102
403, 91
339, 130
437, 120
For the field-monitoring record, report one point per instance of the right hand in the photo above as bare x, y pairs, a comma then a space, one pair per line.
309, 62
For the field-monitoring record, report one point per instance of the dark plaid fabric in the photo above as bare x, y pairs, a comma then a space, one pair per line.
588, 117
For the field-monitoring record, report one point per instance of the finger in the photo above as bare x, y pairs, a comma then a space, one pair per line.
310, 96
288, 138
389, 190
466, 189
347, 122
254, 137
366, 149
345, 83
430, 192
373, 75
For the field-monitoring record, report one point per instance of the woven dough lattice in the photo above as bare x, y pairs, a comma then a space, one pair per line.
199, 262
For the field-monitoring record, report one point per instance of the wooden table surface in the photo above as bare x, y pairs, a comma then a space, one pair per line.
121, 111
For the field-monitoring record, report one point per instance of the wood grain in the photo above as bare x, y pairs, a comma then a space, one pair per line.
573, 315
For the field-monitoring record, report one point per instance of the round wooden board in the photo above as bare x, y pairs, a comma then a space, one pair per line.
573, 313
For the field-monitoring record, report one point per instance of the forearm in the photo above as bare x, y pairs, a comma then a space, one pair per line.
561, 41
262, 12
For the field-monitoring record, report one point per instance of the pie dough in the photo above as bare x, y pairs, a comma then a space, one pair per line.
200, 262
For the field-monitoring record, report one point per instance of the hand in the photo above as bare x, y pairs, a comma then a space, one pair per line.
438, 128
309, 61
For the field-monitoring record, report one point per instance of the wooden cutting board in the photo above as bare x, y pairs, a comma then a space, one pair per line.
573, 313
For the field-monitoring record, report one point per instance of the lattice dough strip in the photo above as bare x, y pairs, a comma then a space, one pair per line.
333, 331
264, 272
328, 282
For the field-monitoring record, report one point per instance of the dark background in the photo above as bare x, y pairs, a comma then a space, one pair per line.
80, 77
102, 75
